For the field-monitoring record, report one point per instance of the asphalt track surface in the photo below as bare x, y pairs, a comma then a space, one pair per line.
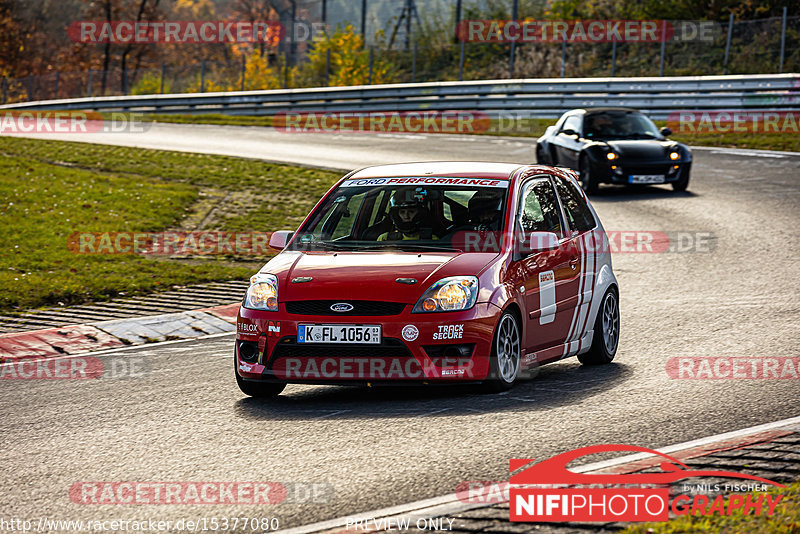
185, 420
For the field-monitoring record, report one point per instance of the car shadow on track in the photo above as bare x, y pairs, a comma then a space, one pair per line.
624, 193
556, 385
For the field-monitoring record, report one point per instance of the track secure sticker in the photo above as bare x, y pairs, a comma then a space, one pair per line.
410, 332
449, 331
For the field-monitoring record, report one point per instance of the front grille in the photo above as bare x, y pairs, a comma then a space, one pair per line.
360, 307
389, 348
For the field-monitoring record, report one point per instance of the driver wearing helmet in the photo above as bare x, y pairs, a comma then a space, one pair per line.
410, 216
484, 210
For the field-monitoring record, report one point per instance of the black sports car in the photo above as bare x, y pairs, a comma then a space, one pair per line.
615, 145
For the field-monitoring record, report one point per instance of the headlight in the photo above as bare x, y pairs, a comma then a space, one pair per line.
611, 156
674, 155
449, 294
262, 293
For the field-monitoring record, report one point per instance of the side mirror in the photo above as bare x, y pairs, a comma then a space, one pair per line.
666, 132
542, 241
569, 131
278, 240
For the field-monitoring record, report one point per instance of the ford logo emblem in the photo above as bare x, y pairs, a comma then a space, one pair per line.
342, 307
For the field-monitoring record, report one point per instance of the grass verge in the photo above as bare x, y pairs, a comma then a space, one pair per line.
50, 189
786, 519
532, 128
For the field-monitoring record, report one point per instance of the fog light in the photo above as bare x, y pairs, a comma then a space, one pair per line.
248, 351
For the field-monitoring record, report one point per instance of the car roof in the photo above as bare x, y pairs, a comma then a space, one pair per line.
465, 169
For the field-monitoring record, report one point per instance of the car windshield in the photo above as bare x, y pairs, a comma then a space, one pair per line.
619, 125
406, 213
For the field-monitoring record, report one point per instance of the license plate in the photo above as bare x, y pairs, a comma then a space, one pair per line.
646, 178
339, 333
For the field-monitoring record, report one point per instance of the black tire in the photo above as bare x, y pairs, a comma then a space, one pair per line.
261, 390
541, 159
682, 183
507, 340
588, 181
604, 349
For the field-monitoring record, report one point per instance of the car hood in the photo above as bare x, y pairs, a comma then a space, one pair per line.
367, 275
642, 149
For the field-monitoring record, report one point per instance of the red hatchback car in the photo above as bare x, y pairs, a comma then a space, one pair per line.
436, 272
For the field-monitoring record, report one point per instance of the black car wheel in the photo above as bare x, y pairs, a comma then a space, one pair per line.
261, 390
588, 181
506, 354
606, 332
682, 183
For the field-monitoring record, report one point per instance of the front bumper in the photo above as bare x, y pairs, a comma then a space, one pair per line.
624, 171
419, 347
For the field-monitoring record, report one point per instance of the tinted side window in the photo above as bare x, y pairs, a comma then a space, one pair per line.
539, 212
578, 213
572, 123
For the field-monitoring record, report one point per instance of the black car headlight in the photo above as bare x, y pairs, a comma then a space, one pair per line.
455, 293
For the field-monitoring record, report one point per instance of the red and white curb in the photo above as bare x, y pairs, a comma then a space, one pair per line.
454, 503
78, 339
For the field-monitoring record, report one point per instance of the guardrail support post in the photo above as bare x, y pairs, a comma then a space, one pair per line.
514, 15
461, 62
563, 57
325, 11
125, 81
163, 72
783, 40
5, 90
364, 20
613, 57
371, 53
285, 69
327, 67
203, 76
458, 18
244, 69
90, 82
663, 47
30, 87
728, 44
414, 64
55, 89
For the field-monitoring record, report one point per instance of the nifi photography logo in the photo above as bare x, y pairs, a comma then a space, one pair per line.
548, 492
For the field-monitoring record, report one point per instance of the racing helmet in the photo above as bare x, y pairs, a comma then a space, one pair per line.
408, 198
484, 209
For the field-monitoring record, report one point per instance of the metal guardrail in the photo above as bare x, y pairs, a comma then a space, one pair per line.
526, 98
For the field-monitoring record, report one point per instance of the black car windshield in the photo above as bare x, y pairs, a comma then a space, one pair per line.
420, 214
619, 125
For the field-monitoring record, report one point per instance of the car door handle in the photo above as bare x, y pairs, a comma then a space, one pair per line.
574, 262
